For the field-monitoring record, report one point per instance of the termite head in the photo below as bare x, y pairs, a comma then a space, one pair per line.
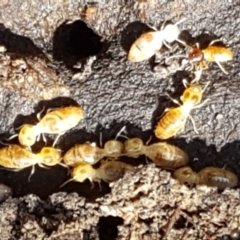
196, 55
171, 32
113, 148
82, 172
50, 156
133, 147
27, 135
185, 175
192, 94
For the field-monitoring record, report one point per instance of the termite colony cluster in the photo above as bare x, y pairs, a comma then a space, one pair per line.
174, 119
82, 157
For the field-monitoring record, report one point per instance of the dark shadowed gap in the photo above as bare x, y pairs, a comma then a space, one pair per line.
17, 44
107, 227
75, 41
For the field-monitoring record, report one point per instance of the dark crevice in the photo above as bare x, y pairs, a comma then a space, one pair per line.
16, 44
107, 227
75, 41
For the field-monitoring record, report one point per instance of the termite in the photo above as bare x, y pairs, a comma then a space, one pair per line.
199, 58
212, 53
150, 43
174, 119
161, 153
90, 153
54, 122
17, 158
109, 171
210, 176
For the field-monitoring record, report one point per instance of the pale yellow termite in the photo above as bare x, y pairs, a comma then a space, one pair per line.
17, 158
210, 176
54, 122
175, 118
218, 54
109, 171
161, 153
91, 154
150, 43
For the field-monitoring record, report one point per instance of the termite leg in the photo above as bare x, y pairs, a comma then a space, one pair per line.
92, 184
4, 144
152, 27
57, 138
163, 25
100, 186
38, 137
174, 100
64, 165
119, 134
44, 139
17, 128
39, 114
66, 182
51, 109
182, 42
31, 173
10, 138
198, 75
193, 123
204, 89
180, 21
221, 67
100, 140
214, 41
201, 104
167, 45
185, 83
166, 110
42, 166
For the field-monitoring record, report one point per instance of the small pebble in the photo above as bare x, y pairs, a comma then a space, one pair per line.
5, 192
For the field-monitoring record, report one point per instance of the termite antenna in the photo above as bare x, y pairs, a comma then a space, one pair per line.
39, 114
31, 173
221, 67
100, 186
182, 42
4, 144
65, 166
100, 139
149, 140
180, 21
57, 138
68, 181
185, 83
18, 128
92, 184
10, 138
174, 56
123, 129
205, 87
